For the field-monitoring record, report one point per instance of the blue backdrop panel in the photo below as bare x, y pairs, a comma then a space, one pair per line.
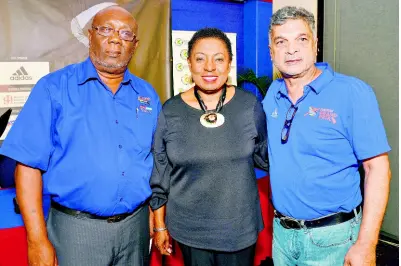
257, 16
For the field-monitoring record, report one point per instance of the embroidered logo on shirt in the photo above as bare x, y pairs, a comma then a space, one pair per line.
312, 111
275, 113
144, 100
323, 114
145, 109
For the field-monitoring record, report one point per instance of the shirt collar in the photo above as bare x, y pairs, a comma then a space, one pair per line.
282, 90
88, 72
323, 79
317, 85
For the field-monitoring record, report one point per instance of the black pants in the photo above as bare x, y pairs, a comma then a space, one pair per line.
203, 257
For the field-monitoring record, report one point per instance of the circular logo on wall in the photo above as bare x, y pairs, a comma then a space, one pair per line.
179, 66
186, 79
179, 41
184, 54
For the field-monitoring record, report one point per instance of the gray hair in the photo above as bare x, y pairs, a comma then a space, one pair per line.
281, 16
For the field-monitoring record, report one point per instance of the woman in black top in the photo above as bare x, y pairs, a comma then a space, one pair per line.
207, 140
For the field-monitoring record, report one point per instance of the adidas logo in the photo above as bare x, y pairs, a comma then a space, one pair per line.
21, 74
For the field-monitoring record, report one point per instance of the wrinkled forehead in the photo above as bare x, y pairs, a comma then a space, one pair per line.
115, 16
291, 27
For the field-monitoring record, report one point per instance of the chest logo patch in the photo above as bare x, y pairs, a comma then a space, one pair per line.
322, 114
144, 100
145, 109
275, 113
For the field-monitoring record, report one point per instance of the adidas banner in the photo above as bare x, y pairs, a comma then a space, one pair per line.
41, 36
22, 73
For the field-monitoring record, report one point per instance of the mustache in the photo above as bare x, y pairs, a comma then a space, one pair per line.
117, 65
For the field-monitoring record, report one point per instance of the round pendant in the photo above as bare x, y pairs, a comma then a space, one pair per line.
211, 120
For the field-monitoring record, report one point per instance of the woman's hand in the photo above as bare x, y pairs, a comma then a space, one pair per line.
161, 237
162, 242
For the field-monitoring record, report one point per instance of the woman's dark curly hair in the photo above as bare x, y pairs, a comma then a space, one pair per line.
210, 33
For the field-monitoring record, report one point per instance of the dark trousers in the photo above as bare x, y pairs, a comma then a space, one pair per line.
91, 242
203, 257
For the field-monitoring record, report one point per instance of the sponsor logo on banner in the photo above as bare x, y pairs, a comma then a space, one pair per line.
22, 73
179, 41
15, 88
13, 99
184, 54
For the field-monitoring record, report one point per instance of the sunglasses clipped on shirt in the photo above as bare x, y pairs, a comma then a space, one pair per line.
289, 117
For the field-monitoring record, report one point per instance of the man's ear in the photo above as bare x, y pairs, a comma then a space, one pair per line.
316, 43
270, 50
136, 44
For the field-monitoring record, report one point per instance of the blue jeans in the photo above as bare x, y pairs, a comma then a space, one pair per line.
314, 246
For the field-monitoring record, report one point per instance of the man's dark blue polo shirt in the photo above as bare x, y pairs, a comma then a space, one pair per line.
92, 146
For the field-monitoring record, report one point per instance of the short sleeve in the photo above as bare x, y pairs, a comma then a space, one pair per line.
30, 138
260, 152
160, 179
367, 133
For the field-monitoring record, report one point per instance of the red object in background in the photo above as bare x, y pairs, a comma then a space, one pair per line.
265, 239
174, 259
263, 245
13, 247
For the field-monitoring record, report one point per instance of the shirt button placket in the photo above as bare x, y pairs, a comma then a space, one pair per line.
120, 146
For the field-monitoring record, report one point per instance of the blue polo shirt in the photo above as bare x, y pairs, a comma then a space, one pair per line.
92, 146
337, 126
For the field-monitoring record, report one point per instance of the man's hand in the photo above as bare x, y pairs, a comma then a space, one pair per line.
151, 222
361, 255
29, 187
42, 253
162, 242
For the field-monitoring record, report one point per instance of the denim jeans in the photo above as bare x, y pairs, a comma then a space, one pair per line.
314, 246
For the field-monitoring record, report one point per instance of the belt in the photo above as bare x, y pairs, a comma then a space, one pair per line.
341, 217
109, 219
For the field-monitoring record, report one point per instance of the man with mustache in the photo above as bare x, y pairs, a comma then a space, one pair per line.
322, 126
84, 138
